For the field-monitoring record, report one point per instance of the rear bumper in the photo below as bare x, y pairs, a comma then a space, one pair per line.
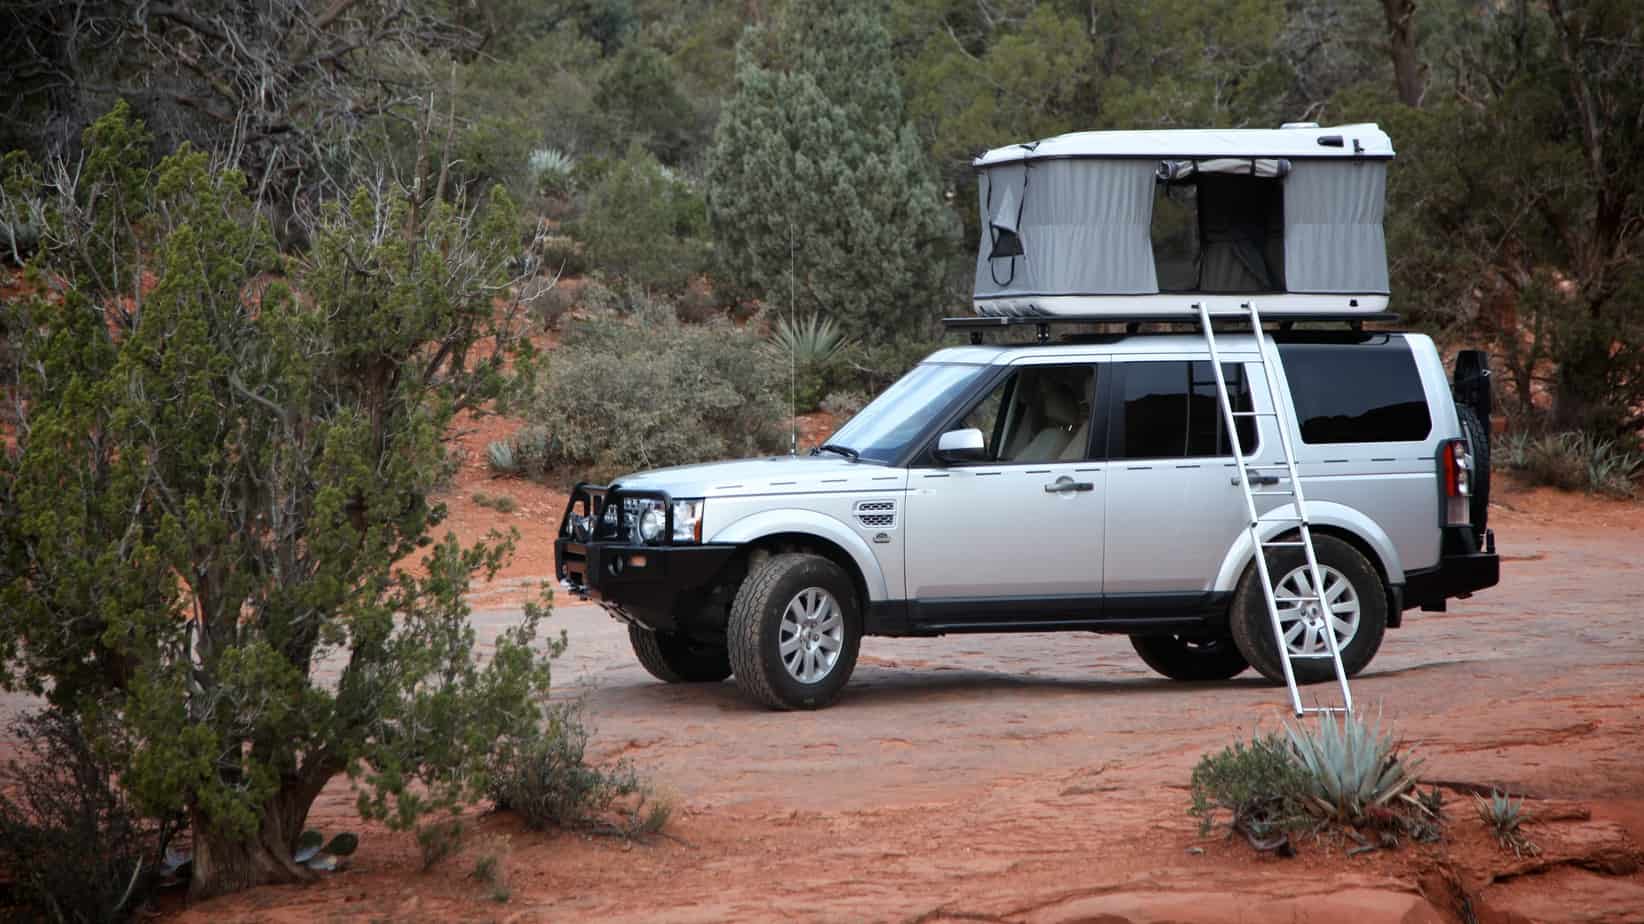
639, 583
1457, 575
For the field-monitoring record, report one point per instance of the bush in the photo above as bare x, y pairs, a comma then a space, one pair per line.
561, 255
1346, 773
844, 405
547, 781
646, 225
501, 503
1260, 786
76, 847
440, 839
545, 300
1576, 461
642, 390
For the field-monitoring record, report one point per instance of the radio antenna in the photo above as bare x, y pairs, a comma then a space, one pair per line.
793, 360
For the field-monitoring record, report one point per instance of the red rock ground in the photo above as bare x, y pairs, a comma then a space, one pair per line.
1043, 778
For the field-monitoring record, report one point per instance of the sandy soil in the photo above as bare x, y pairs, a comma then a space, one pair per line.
1042, 778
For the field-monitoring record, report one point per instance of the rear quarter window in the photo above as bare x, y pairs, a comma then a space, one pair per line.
1362, 392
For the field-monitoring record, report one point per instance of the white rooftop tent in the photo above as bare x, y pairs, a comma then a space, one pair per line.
1098, 224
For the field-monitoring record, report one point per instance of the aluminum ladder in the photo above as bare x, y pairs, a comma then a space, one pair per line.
1319, 618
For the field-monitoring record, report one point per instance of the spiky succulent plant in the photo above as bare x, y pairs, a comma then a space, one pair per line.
1504, 816
811, 342
1352, 766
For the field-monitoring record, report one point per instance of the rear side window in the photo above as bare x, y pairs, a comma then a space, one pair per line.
1367, 392
1171, 411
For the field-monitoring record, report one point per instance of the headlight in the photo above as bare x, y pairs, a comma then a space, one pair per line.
688, 520
650, 523
647, 522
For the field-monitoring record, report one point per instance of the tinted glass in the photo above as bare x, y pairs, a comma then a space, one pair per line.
1037, 414
881, 430
1171, 411
1356, 392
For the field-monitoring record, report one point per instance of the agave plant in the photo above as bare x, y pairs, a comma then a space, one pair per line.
1353, 768
812, 342
551, 168
502, 458
1504, 816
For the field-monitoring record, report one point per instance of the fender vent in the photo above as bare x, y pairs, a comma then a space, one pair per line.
876, 514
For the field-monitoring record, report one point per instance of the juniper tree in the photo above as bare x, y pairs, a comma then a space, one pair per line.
215, 518
816, 183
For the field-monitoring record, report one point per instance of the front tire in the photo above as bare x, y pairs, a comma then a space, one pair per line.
795, 629
1191, 658
1357, 597
675, 659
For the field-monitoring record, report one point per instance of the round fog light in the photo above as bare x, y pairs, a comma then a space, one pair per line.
650, 525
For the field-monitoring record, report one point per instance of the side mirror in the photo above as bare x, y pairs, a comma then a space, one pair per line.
961, 446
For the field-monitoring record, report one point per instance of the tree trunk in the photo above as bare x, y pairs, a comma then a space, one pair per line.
1408, 75
224, 864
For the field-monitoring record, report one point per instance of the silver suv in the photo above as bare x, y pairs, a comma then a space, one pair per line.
1083, 485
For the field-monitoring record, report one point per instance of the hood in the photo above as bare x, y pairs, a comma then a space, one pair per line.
773, 475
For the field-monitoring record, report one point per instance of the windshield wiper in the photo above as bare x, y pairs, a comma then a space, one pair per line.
845, 451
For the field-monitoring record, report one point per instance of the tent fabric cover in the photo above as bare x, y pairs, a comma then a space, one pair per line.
1247, 166
1333, 238
1084, 228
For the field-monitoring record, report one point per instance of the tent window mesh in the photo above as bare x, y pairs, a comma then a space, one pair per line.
1219, 233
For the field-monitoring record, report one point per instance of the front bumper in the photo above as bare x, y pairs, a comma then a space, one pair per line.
1459, 574
640, 583
595, 559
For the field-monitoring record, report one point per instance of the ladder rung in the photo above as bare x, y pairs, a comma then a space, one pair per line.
1254, 414
1281, 520
1321, 656
1268, 465
1284, 545
1272, 493
1327, 710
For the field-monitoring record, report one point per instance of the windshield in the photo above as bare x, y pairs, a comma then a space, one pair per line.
885, 427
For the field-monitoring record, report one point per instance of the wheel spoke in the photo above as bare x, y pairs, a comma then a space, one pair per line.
1294, 630
830, 644
788, 647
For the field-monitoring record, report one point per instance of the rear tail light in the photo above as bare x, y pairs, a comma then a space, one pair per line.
1456, 476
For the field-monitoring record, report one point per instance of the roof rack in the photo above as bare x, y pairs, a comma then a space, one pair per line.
979, 326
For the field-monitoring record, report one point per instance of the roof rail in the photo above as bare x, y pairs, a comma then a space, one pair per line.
978, 326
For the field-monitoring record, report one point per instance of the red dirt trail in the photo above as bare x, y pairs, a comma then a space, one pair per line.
1042, 778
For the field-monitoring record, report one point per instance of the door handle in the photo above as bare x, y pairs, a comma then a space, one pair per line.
1065, 484
1256, 479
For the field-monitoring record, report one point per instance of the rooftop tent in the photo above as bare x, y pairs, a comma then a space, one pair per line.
1114, 223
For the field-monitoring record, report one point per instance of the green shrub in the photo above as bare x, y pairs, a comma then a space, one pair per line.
1576, 461
844, 404
502, 503
561, 255
548, 782
644, 224
812, 350
76, 848
635, 388
439, 840
1260, 786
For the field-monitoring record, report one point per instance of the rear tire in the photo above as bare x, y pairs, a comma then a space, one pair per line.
794, 633
1253, 628
675, 659
1478, 438
1191, 659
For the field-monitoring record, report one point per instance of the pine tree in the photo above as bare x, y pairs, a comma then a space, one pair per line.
215, 515
817, 183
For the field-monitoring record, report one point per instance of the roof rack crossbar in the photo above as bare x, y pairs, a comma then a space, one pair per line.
1128, 318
